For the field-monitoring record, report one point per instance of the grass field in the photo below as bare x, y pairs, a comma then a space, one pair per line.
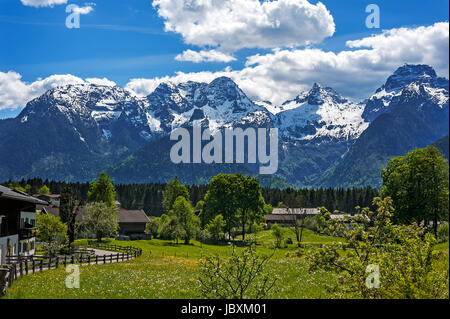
168, 270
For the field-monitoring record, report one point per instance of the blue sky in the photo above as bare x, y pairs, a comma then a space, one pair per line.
123, 40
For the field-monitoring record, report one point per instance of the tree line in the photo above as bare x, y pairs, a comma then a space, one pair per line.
149, 197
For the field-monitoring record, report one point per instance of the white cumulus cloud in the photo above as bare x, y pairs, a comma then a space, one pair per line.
356, 73
42, 3
283, 74
98, 81
236, 24
204, 56
83, 10
15, 93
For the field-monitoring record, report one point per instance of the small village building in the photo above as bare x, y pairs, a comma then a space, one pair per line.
17, 223
132, 222
288, 216
53, 199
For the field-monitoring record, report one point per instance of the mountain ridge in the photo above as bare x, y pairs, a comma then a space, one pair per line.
72, 132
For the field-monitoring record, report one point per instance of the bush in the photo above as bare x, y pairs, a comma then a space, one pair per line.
442, 233
242, 276
311, 224
277, 232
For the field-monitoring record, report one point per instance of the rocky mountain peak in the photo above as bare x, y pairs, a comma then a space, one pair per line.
409, 73
409, 82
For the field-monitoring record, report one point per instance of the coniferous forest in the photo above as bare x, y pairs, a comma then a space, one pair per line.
149, 196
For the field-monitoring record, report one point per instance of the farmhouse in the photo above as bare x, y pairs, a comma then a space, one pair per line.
53, 199
131, 222
288, 216
17, 223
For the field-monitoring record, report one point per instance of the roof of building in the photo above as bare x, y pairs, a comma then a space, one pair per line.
51, 210
52, 196
13, 194
280, 217
132, 216
124, 215
295, 211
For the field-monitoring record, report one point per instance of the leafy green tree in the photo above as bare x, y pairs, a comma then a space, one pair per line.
242, 276
378, 259
153, 226
102, 190
200, 207
172, 191
277, 232
418, 185
52, 232
202, 236
250, 201
101, 220
237, 198
215, 227
222, 199
68, 212
186, 218
170, 228
44, 190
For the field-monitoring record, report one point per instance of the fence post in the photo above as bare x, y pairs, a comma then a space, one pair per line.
65, 260
72, 260
104, 259
57, 262
50, 263
89, 259
26, 266
41, 265
34, 266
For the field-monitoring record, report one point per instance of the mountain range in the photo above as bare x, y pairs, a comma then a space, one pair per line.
71, 133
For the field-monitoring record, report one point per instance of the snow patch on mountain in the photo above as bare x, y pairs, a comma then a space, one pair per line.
321, 113
407, 79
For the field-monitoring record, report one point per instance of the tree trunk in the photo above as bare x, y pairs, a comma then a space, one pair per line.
243, 229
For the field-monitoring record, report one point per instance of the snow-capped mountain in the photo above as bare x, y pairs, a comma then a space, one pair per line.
93, 108
321, 113
407, 81
411, 110
73, 132
220, 103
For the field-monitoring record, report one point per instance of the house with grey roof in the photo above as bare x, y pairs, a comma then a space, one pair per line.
131, 222
17, 223
289, 216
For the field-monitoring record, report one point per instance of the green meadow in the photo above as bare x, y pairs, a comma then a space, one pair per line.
170, 270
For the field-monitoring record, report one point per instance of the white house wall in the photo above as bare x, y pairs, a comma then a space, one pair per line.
13, 241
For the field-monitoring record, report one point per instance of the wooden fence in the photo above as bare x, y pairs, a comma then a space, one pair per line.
24, 265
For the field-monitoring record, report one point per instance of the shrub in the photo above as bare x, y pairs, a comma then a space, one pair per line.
442, 233
277, 232
384, 261
242, 276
